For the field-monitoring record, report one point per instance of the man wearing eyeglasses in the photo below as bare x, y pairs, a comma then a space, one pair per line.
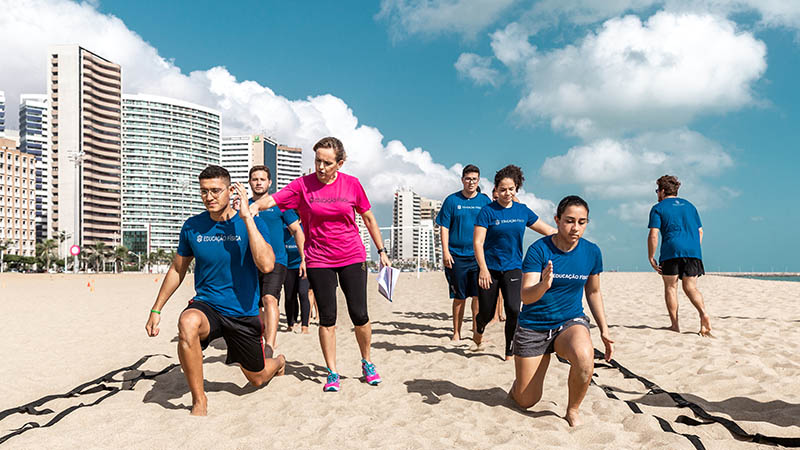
681, 256
456, 220
229, 250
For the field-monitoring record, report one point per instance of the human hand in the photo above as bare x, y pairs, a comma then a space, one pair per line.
547, 275
447, 260
655, 265
241, 192
484, 279
152, 324
385, 261
302, 269
609, 344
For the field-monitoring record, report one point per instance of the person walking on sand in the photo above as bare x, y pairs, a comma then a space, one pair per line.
456, 220
558, 270
681, 256
271, 283
229, 250
327, 201
295, 287
497, 241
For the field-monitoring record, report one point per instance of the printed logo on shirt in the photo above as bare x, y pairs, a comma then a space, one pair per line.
468, 207
328, 200
499, 221
219, 238
571, 276
678, 203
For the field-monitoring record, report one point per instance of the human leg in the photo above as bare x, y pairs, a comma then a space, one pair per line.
671, 299
530, 371
511, 284
291, 288
193, 327
486, 302
353, 279
696, 297
323, 282
458, 318
303, 293
575, 345
271, 284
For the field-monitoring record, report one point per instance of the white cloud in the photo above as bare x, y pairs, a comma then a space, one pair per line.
477, 68
632, 76
511, 46
431, 17
246, 106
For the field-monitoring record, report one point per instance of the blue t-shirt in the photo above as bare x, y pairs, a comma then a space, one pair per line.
680, 225
276, 220
292, 253
225, 275
505, 228
564, 300
458, 215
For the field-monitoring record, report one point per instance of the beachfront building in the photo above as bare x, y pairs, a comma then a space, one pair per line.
2, 113
17, 199
405, 220
34, 132
364, 234
240, 153
84, 92
428, 210
166, 143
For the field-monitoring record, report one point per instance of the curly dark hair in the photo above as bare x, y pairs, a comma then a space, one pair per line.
509, 171
332, 143
669, 184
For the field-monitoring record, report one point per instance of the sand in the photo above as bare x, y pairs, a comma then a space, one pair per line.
58, 333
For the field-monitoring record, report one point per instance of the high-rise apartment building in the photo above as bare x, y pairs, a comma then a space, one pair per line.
240, 153
428, 210
405, 223
85, 97
363, 232
2, 113
17, 199
34, 131
166, 143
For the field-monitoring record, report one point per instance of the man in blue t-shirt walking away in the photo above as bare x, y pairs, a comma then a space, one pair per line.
229, 251
456, 220
681, 257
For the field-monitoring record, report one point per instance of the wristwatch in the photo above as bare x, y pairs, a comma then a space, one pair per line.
381, 250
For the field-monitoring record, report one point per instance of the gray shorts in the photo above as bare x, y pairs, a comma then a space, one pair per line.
529, 343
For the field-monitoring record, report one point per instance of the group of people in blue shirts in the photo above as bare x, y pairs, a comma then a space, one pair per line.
542, 292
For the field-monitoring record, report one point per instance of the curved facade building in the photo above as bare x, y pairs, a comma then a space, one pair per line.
166, 143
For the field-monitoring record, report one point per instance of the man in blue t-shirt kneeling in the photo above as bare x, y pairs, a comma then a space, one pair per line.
681, 257
229, 251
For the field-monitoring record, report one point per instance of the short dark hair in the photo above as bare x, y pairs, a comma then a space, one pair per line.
669, 184
570, 200
470, 168
335, 144
213, 171
509, 171
259, 168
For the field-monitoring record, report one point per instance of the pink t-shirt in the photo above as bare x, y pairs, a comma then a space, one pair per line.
328, 215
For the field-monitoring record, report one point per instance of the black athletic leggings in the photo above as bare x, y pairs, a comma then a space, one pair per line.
353, 279
295, 288
510, 283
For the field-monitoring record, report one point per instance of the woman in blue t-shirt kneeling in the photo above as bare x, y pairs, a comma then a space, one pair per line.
557, 270
497, 241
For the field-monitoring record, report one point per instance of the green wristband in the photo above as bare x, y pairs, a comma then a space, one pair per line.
155, 311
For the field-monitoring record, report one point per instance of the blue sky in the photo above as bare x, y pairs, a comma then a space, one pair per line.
588, 98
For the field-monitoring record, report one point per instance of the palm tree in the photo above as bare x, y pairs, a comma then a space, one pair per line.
161, 256
120, 254
5, 244
99, 252
47, 248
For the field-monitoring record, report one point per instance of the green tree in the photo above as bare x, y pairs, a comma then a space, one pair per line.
120, 254
98, 252
46, 250
5, 244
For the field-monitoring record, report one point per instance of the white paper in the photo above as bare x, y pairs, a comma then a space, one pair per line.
387, 280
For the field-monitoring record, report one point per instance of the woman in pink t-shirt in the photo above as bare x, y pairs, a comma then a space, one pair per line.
327, 201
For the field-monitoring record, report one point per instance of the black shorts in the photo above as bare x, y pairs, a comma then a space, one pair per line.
353, 279
462, 277
272, 282
683, 267
529, 343
242, 336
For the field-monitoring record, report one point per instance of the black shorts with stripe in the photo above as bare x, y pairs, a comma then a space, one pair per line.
242, 335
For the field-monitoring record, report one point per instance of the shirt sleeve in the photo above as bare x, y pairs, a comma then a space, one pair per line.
262, 228
534, 259
598, 261
483, 217
444, 216
289, 196
184, 247
361, 202
697, 218
655, 218
289, 217
532, 217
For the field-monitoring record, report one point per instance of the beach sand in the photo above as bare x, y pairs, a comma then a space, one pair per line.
59, 333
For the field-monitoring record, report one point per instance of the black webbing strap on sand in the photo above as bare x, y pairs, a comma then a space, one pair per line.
681, 402
100, 384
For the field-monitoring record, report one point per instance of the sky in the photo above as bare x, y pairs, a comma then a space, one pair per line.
591, 98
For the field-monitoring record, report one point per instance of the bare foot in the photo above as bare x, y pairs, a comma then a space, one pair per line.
282, 369
573, 419
478, 339
455, 337
200, 406
509, 358
304, 330
705, 326
674, 328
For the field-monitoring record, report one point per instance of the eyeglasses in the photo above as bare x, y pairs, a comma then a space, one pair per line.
658, 190
213, 191
470, 179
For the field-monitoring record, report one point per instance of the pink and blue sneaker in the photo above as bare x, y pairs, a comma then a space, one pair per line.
370, 375
332, 384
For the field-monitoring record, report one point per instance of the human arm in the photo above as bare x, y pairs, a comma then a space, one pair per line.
700, 230
652, 244
595, 300
447, 258
265, 202
375, 233
172, 280
543, 228
478, 238
535, 284
263, 256
300, 239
